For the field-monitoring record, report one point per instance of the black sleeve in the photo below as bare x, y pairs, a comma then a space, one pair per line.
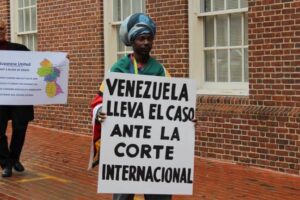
22, 47
18, 47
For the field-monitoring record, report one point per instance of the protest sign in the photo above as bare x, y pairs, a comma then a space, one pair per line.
31, 78
147, 143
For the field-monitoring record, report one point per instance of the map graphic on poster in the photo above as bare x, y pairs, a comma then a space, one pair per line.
50, 74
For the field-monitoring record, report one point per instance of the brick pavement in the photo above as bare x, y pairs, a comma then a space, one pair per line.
56, 170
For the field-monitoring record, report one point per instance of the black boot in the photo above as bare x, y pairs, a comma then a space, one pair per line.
18, 166
7, 171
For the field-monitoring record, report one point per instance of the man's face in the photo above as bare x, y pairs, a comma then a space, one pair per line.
143, 44
2, 30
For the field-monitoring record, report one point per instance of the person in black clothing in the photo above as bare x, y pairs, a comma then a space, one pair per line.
20, 116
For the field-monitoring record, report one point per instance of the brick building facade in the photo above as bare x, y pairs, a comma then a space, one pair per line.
259, 129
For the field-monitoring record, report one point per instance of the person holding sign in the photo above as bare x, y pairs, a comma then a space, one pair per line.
20, 116
138, 31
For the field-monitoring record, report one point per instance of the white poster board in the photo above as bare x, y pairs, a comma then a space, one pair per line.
147, 142
32, 78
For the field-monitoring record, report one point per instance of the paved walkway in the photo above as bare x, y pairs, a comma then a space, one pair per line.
56, 170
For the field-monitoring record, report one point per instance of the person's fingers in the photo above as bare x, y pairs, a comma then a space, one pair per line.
101, 116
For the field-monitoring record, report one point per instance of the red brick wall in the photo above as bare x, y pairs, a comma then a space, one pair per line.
4, 14
261, 129
171, 42
274, 34
75, 27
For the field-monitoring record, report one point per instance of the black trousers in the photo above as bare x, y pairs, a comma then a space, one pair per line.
11, 153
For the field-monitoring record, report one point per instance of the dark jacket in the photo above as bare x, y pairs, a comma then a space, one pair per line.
19, 112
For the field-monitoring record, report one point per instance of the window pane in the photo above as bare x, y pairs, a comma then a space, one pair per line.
27, 19
35, 42
207, 5
126, 8
21, 22
244, 3
232, 4
33, 19
26, 3
218, 5
136, 6
236, 65
20, 4
117, 10
128, 49
30, 41
245, 29
222, 66
246, 67
33, 2
120, 56
209, 66
222, 30
24, 40
143, 6
235, 29
209, 31
121, 46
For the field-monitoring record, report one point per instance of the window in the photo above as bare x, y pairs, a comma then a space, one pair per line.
24, 22
218, 32
115, 11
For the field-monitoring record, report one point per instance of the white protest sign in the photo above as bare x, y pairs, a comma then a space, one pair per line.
31, 78
147, 141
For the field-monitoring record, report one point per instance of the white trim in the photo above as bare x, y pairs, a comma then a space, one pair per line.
115, 23
243, 50
224, 85
26, 33
222, 12
13, 21
195, 46
196, 53
24, 7
227, 92
110, 43
225, 47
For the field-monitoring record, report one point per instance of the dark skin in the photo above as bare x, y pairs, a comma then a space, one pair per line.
142, 46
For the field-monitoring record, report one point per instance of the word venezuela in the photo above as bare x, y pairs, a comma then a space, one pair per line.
139, 89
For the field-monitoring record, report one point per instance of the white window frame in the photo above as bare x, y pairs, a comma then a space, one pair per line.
14, 20
196, 54
110, 34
